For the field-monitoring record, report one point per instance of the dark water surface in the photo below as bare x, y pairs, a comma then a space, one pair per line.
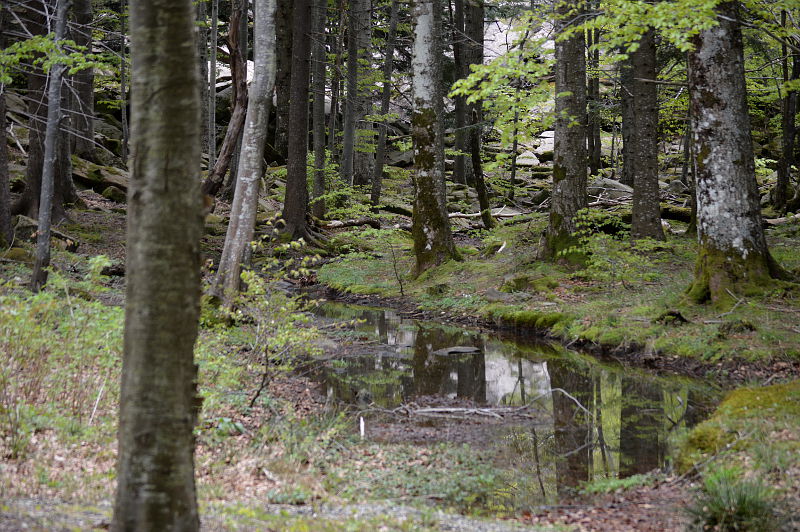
624, 425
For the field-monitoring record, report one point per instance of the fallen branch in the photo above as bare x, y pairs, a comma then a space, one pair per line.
336, 224
784, 220
496, 214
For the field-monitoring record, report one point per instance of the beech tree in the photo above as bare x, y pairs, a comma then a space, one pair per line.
158, 401
569, 153
245, 200
732, 256
433, 241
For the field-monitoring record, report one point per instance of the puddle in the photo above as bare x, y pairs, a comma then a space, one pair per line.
611, 422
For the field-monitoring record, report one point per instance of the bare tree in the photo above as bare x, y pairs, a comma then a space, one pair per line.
251, 167
319, 14
158, 402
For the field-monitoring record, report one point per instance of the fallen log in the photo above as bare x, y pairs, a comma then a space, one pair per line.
783, 220
336, 224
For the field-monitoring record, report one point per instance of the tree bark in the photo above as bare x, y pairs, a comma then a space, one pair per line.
83, 84
433, 241
358, 32
477, 173
320, 12
462, 71
732, 255
216, 177
51, 147
212, 86
789, 132
473, 50
628, 128
64, 190
569, 158
284, 76
646, 215
245, 200
202, 65
6, 231
595, 145
386, 96
337, 44
158, 402
295, 203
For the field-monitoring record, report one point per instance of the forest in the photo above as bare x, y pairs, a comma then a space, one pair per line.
463, 265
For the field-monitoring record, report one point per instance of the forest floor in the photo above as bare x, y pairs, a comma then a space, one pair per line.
288, 458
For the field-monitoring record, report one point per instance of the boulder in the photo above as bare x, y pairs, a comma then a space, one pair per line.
527, 158
115, 194
97, 177
610, 189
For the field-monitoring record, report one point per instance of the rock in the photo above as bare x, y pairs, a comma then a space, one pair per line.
457, 350
538, 196
545, 156
527, 158
677, 187
25, 229
214, 219
18, 255
115, 194
610, 189
98, 177
400, 158
493, 295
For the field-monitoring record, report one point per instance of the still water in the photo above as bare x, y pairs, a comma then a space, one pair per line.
614, 422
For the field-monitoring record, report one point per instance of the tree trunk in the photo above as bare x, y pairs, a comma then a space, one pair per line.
295, 203
64, 190
433, 241
284, 76
789, 132
569, 157
212, 86
216, 176
230, 181
732, 255
473, 49
202, 64
245, 200
646, 217
480, 182
6, 231
595, 146
158, 400
83, 85
356, 166
320, 12
337, 44
628, 128
462, 71
51, 147
386, 96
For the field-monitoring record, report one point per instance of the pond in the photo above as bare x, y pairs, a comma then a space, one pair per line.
564, 417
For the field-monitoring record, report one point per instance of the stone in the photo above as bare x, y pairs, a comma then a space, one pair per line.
527, 158
115, 194
610, 189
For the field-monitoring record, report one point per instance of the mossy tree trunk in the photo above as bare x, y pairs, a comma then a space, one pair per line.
646, 219
158, 401
732, 257
295, 203
251, 167
788, 131
569, 153
318, 56
627, 129
433, 241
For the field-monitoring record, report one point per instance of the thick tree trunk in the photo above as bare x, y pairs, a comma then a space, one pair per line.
216, 176
319, 14
245, 200
732, 257
628, 128
569, 158
158, 401
364, 158
337, 44
646, 219
230, 181
295, 203
433, 241
595, 146
462, 71
51, 148
284, 75
386, 96
83, 85
356, 165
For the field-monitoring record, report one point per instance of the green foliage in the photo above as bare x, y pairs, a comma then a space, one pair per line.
610, 485
44, 51
727, 503
59, 360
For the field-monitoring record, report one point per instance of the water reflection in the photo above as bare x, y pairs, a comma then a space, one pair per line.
611, 422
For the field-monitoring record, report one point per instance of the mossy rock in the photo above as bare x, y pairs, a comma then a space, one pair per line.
545, 156
18, 255
524, 283
437, 290
115, 194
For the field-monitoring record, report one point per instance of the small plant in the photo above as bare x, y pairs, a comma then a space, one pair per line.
728, 502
